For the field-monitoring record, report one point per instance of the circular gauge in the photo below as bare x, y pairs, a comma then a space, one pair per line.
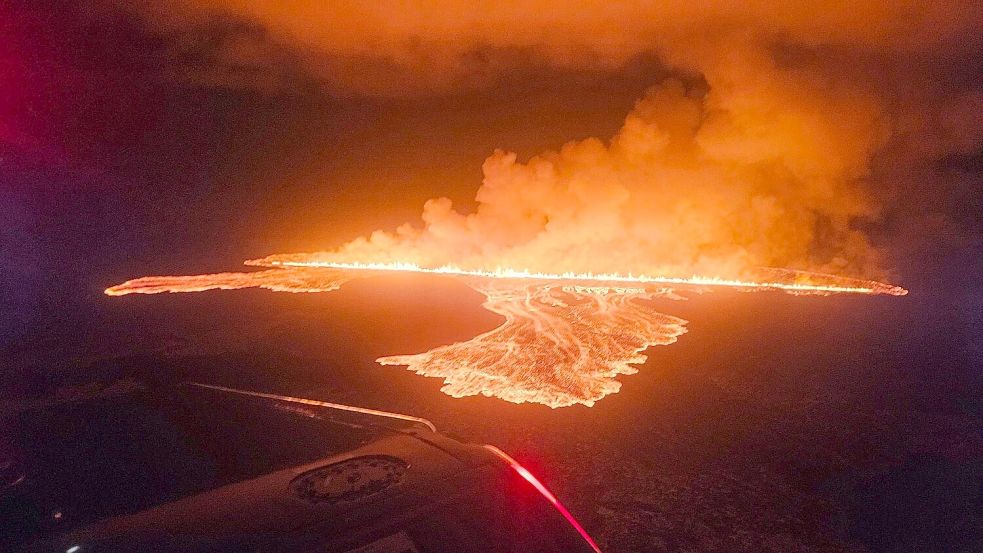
350, 480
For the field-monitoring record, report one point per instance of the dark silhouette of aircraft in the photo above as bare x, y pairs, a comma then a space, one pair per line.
197, 467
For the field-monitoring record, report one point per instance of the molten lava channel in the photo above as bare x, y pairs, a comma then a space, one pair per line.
565, 339
558, 345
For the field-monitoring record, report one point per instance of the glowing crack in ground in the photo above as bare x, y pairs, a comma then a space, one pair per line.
565, 338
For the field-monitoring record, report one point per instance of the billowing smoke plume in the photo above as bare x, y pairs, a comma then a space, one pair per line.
751, 173
762, 158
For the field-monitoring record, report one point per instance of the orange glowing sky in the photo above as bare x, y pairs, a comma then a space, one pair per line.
747, 163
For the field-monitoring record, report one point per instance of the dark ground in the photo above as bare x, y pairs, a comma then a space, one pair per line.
777, 423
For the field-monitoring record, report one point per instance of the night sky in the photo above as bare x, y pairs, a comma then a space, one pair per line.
111, 169
135, 143
183, 137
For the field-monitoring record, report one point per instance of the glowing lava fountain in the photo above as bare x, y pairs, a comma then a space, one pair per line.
565, 338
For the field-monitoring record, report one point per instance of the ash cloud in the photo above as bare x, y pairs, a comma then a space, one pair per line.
393, 47
693, 182
805, 125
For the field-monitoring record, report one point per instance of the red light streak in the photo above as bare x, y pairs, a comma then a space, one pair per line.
528, 477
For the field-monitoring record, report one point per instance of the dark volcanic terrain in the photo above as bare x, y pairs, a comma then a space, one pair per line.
777, 423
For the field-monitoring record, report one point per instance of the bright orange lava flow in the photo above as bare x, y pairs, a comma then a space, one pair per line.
855, 286
558, 346
565, 338
278, 280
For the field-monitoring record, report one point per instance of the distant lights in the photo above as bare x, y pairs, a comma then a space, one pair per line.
74, 549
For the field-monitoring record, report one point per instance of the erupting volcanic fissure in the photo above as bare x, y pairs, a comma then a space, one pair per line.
706, 182
565, 339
